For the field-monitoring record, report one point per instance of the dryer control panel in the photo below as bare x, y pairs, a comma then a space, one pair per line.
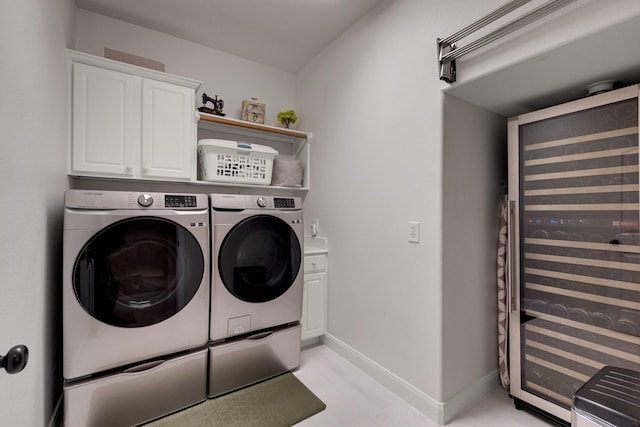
242, 202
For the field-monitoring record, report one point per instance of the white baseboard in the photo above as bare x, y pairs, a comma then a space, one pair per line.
469, 396
440, 412
309, 342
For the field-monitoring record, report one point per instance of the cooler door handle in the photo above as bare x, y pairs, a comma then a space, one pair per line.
512, 257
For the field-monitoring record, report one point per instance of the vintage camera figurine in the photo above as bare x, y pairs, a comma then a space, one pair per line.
217, 105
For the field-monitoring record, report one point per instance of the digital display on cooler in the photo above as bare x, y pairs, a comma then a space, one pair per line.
280, 202
181, 201
558, 221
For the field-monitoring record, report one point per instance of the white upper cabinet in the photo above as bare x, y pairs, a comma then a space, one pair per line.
105, 121
130, 122
168, 131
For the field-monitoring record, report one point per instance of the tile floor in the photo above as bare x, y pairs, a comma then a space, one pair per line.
354, 399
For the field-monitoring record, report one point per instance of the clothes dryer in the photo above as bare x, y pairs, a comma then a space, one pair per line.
135, 278
257, 256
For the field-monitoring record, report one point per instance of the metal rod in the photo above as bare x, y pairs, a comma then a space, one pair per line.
496, 14
512, 26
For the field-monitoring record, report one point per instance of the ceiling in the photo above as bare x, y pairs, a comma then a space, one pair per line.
284, 34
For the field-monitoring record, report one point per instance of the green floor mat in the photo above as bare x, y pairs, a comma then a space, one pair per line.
278, 402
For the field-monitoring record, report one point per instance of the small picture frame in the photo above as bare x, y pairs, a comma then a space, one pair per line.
253, 111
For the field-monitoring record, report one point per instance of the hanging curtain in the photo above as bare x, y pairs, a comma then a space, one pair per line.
503, 317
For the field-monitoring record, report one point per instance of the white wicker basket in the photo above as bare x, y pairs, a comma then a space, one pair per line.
234, 161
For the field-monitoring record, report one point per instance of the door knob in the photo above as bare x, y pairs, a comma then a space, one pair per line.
15, 360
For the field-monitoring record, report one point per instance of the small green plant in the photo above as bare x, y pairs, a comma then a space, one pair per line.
287, 118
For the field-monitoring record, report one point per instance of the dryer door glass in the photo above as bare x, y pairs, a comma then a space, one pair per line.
138, 271
259, 259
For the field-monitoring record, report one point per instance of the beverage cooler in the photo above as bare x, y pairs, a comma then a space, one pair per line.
574, 294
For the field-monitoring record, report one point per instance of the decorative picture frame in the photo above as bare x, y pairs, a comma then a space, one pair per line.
253, 111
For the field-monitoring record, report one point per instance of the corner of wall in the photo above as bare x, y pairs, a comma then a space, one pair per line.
452, 408
440, 412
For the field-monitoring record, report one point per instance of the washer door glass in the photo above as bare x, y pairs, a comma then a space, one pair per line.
138, 272
259, 259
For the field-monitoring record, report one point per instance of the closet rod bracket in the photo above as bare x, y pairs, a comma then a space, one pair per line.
447, 68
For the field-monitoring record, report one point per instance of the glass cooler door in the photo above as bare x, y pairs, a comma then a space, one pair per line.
579, 248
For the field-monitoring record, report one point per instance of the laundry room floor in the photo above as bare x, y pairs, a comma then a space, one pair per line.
354, 399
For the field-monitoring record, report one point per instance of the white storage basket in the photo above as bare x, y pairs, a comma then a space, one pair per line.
234, 161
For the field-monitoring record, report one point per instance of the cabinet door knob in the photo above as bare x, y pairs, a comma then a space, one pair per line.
127, 168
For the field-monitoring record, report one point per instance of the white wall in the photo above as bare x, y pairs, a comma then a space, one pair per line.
33, 125
374, 102
232, 78
474, 165
373, 99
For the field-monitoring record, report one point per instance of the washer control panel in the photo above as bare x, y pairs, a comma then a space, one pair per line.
180, 201
103, 199
281, 202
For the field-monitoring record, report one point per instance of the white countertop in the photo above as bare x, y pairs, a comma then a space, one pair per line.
315, 245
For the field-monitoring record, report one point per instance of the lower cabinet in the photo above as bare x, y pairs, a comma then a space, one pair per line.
314, 304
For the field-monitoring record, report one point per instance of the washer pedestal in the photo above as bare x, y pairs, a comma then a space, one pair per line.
138, 394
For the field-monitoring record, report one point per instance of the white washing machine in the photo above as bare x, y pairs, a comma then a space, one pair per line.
257, 278
135, 278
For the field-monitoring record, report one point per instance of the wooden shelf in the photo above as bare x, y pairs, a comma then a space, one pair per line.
225, 124
266, 188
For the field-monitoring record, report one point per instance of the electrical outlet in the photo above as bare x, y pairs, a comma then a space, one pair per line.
414, 231
315, 227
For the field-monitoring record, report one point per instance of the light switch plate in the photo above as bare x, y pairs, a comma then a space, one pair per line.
414, 231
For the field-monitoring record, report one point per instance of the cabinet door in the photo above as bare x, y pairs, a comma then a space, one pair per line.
105, 122
314, 305
168, 129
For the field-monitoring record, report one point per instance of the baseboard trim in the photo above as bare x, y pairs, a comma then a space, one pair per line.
309, 342
469, 396
440, 412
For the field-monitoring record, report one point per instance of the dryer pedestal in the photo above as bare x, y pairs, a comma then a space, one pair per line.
250, 359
